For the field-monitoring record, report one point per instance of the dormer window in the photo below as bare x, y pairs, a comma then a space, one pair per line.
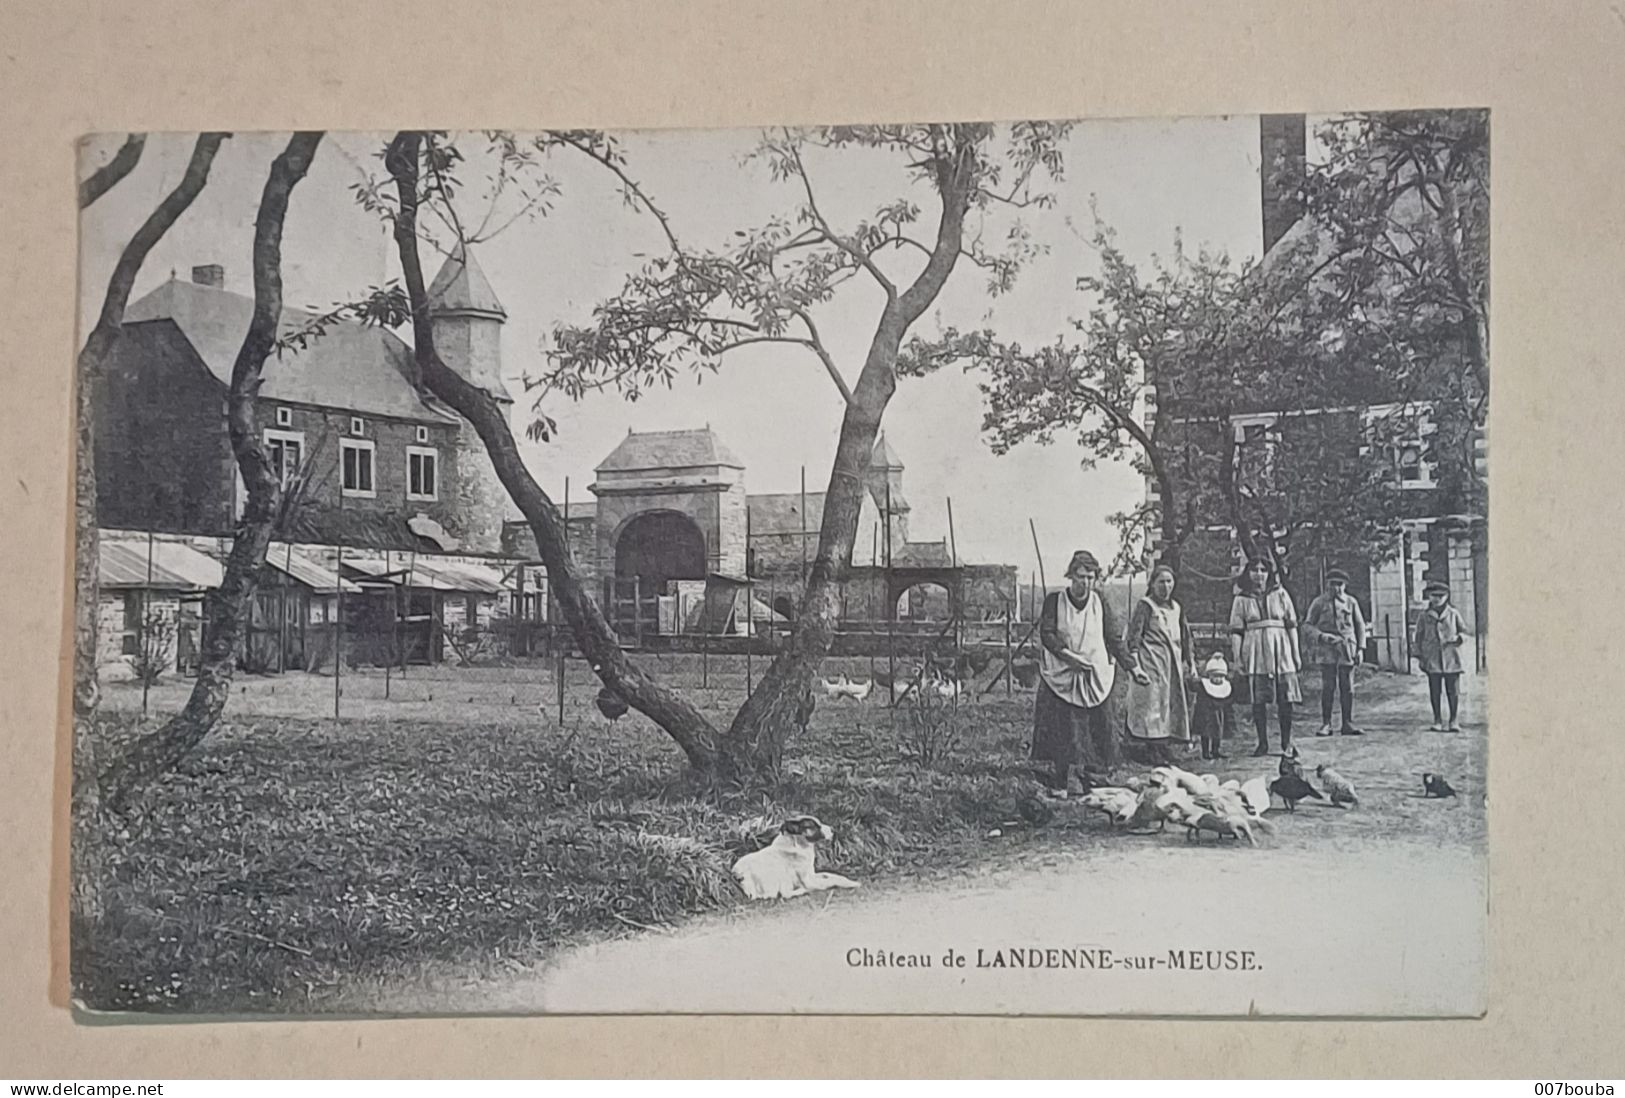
358, 426
284, 417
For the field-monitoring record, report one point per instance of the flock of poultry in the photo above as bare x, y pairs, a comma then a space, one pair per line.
1201, 803
929, 682
1229, 810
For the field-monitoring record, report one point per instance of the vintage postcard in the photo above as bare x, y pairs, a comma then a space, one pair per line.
1025, 568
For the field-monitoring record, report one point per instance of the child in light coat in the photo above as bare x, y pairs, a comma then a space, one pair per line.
1213, 717
1440, 634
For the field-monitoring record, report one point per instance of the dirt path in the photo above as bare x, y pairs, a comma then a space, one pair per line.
1329, 934
1381, 910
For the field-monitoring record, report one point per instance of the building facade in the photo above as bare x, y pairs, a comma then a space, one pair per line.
1357, 429
671, 520
370, 461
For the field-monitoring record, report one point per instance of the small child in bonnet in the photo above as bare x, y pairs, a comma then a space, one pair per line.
1213, 718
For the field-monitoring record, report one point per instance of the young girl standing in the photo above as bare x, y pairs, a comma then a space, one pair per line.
1440, 633
1264, 645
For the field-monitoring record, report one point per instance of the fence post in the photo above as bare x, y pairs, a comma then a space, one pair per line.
1009, 671
338, 626
143, 657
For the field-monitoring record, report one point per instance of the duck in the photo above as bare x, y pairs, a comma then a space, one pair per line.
1223, 826
1338, 788
1434, 785
1292, 788
1256, 793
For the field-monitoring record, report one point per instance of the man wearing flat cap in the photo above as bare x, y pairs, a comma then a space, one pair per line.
1335, 631
1080, 637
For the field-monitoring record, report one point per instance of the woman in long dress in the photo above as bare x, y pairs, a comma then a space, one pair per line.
1264, 642
1079, 642
1160, 639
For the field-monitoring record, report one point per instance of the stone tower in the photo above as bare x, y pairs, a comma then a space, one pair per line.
884, 479
671, 505
468, 322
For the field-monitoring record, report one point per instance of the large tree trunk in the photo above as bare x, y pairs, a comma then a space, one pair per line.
228, 610
679, 719
754, 746
98, 345
90, 824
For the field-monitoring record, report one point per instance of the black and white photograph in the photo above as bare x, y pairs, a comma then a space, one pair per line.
1019, 568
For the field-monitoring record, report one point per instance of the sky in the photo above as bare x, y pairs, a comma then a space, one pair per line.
775, 407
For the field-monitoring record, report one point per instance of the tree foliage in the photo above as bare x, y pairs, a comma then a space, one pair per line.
1158, 371
1403, 200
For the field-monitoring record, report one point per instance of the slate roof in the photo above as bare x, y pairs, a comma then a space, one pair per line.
884, 456
349, 367
780, 513
357, 530
461, 287
668, 450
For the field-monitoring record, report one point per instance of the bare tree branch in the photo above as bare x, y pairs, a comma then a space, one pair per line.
106, 177
817, 215
817, 344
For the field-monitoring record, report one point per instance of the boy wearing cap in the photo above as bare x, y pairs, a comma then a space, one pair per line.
1440, 633
1079, 640
1335, 629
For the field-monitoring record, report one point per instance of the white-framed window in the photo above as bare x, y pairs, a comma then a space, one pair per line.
358, 426
356, 467
286, 450
1414, 465
284, 417
422, 473
423, 434
1258, 439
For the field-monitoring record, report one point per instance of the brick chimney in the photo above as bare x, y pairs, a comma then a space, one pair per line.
1282, 145
212, 275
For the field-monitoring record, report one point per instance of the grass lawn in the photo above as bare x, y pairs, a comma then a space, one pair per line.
297, 860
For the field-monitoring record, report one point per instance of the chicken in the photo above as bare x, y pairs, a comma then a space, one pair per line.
1434, 785
844, 687
901, 685
1290, 765
1292, 788
1026, 673
948, 689
970, 664
1338, 788
1257, 795
611, 704
804, 710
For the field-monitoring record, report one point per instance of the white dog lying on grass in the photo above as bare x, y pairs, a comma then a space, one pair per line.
784, 868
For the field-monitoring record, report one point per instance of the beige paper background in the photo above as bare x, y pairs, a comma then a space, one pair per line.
1551, 72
